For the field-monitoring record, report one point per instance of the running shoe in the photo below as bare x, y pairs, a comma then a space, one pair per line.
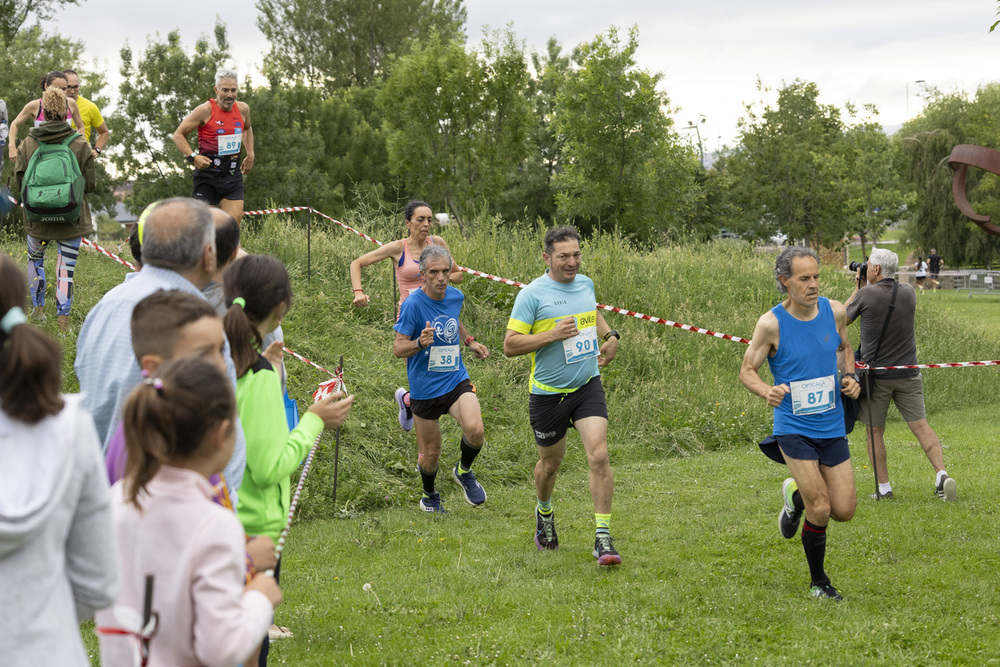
545, 532
405, 416
825, 590
888, 495
788, 519
947, 489
604, 550
432, 504
471, 488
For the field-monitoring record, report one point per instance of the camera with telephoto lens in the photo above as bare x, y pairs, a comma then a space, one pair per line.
854, 266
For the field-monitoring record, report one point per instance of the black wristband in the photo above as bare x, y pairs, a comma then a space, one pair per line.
612, 333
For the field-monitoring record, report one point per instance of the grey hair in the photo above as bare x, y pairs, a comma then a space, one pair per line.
887, 260
176, 233
433, 252
783, 265
225, 73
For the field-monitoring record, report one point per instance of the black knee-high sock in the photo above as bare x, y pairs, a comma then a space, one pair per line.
814, 544
428, 479
469, 454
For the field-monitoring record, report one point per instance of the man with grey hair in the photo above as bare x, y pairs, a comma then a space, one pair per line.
887, 310
804, 341
428, 336
178, 253
223, 126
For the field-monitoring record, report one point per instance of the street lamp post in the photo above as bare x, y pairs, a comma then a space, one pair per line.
908, 95
693, 125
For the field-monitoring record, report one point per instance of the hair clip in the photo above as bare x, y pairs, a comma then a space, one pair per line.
11, 319
155, 383
239, 301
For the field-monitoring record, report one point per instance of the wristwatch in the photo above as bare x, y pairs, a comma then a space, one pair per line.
97, 149
190, 158
612, 333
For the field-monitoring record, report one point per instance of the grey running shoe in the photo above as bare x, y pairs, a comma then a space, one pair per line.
604, 550
405, 416
432, 504
788, 519
545, 532
947, 489
825, 591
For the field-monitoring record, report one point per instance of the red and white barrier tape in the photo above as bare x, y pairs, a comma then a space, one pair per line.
507, 281
956, 364
107, 253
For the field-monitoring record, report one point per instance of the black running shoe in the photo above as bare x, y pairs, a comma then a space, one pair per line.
826, 591
788, 519
947, 489
545, 531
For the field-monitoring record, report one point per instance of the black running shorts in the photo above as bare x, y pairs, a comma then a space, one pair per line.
433, 408
212, 186
551, 415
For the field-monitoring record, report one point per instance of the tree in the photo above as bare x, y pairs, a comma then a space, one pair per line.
530, 194
154, 96
782, 180
925, 144
347, 42
457, 121
622, 164
15, 13
864, 164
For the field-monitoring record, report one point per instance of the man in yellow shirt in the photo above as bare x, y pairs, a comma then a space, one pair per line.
91, 115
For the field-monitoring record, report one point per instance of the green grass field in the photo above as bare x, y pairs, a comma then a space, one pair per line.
706, 576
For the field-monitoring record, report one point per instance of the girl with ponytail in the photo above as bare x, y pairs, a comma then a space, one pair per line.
259, 294
57, 555
179, 431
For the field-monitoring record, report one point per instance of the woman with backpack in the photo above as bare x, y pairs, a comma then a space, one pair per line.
54, 168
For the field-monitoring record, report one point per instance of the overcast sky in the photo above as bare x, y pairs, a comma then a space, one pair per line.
709, 53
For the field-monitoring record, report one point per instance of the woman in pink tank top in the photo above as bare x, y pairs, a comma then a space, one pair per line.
405, 255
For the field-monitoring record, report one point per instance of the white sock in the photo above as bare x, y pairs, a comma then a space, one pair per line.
884, 488
940, 475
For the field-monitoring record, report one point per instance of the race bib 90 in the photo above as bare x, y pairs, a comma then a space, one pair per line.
810, 397
583, 345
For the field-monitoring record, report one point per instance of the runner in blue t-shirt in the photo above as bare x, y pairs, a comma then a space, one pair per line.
428, 334
555, 320
804, 341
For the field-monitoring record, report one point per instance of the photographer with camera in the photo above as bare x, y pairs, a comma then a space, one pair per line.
887, 310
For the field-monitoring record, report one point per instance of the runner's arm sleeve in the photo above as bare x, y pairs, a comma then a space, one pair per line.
522, 317
273, 452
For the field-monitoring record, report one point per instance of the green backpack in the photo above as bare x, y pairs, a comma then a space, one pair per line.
53, 184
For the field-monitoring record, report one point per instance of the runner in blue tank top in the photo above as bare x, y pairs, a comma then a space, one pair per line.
804, 341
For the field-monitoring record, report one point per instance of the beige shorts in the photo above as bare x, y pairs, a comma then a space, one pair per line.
906, 393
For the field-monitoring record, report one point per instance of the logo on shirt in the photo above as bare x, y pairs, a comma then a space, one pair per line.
446, 329
220, 122
559, 303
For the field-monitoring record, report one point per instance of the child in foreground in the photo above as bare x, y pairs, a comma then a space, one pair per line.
58, 562
259, 294
179, 431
